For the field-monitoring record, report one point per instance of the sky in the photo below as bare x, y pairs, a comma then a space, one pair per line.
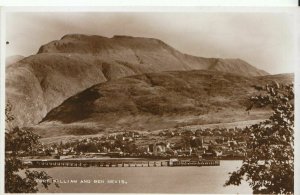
265, 40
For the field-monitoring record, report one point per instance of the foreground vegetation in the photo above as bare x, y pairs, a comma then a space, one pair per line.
269, 164
19, 141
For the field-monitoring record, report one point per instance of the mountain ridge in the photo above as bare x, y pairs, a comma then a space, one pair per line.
95, 43
62, 68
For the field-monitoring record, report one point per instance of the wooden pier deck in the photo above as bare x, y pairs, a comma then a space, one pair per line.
118, 163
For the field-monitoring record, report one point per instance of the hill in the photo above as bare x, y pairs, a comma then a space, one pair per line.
157, 100
62, 68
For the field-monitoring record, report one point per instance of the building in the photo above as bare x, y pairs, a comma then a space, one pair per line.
157, 148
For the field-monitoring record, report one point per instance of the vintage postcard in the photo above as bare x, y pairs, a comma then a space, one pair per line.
171, 101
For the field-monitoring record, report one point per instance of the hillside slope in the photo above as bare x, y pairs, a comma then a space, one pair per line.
157, 100
62, 68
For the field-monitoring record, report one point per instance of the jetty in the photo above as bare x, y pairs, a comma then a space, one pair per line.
117, 163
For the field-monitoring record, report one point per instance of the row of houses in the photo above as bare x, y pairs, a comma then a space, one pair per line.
115, 144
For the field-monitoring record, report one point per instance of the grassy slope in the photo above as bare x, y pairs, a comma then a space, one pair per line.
157, 100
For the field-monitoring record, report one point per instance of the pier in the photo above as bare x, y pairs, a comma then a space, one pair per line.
117, 163
197, 163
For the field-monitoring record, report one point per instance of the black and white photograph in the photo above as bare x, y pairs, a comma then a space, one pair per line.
143, 101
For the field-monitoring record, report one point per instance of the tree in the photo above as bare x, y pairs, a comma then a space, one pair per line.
269, 164
195, 143
18, 141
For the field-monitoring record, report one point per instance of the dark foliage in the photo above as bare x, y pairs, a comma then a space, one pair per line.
269, 165
20, 141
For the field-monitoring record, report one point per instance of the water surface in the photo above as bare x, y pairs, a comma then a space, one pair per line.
208, 180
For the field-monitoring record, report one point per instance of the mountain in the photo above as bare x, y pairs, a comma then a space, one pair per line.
144, 54
62, 68
157, 100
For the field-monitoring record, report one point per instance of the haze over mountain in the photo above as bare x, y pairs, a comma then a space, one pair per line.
13, 59
38, 83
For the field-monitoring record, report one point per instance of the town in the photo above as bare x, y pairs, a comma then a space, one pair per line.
217, 143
